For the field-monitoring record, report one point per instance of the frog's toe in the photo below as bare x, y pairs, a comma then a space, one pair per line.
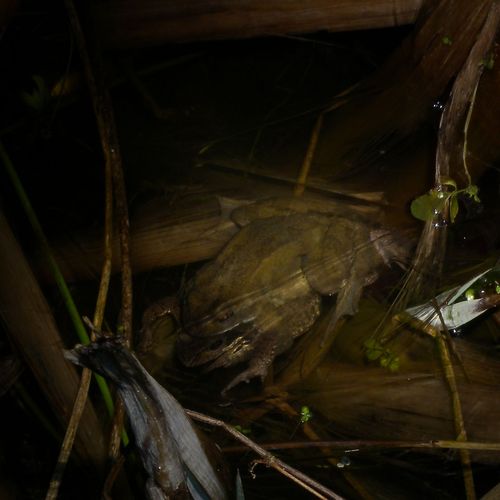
256, 370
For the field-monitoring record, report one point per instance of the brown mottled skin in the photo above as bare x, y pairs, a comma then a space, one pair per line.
264, 289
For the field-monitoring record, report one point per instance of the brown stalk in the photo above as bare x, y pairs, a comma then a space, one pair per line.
458, 418
83, 389
300, 185
109, 141
442, 339
113, 179
363, 444
430, 252
305, 168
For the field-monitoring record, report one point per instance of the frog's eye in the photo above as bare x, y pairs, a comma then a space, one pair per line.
224, 315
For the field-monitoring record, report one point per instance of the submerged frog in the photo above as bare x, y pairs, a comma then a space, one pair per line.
264, 289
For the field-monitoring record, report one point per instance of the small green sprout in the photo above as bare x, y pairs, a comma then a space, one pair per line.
427, 206
374, 351
446, 40
246, 431
489, 61
305, 414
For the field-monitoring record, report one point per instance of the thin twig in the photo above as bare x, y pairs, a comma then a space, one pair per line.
457, 407
69, 437
452, 384
98, 320
306, 165
81, 398
305, 168
109, 141
355, 446
111, 478
268, 459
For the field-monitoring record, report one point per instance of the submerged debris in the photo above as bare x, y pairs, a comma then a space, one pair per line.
168, 444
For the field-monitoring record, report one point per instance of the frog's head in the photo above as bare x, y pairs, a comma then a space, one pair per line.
215, 351
219, 334
204, 316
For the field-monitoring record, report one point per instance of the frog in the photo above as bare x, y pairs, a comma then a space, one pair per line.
264, 289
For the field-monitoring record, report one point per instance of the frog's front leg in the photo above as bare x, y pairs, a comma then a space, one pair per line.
347, 303
168, 306
258, 366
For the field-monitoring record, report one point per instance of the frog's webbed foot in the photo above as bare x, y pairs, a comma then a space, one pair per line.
258, 367
167, 306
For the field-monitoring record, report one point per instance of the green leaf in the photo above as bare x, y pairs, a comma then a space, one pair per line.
244, 430
371, 343
374, 349
426, 206
394, 364
453, 208
489, 61
305, 414
422, 207
448, 181
373, 354
472, 190
385, 360
446, 40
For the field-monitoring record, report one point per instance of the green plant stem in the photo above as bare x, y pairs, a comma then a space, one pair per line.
54, 267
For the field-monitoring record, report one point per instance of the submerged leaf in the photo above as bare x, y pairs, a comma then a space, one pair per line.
455, 306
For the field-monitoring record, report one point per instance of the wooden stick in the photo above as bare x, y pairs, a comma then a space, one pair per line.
458, 418
136, 23
32, 328
103, 111
430, 253
86, 377
366, 444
